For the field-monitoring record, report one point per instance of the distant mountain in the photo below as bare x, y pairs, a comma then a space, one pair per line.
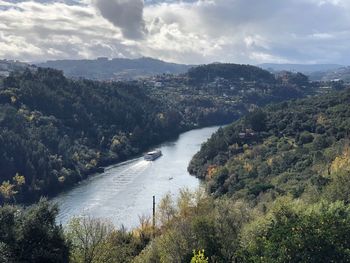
8, 66
342, 73
303, 68
115, 69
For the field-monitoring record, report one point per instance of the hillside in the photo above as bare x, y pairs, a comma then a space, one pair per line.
292, 148
56, 131
114, 69
8, 66
227, 88
278, 179
232, 72
303, 68
342, 74
316, 72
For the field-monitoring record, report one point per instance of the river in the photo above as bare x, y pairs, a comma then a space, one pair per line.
124, 191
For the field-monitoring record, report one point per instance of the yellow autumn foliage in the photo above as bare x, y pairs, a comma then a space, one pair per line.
248, 167
7, 190
19, 179
93, 162
270, 161
342, 162
322, 119
211, 171
30, 117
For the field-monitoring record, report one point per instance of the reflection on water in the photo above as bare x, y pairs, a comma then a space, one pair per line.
124, 191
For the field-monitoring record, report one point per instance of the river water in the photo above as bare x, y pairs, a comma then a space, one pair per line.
124, 192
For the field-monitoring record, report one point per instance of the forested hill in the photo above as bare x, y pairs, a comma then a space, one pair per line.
294, 148
115, 69
226, 88
231, 72
55, 131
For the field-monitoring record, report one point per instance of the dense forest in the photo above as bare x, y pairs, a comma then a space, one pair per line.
277, 190
207, 73
56, 131
278, 185
290, 148
277, 179
219, 93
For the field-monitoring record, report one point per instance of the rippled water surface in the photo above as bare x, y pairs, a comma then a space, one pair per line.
124, 191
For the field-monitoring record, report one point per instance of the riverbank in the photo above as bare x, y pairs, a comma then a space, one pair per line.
124, 191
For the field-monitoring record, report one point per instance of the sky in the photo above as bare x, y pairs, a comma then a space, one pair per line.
187, 31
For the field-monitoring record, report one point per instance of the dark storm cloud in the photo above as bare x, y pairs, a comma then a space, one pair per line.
125, 14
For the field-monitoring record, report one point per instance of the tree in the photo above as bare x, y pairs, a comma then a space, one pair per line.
31, 235
89, 240
295, 232
257, 120
339, 187
199, 257
305, 137
7, 190
124, 246
166, 210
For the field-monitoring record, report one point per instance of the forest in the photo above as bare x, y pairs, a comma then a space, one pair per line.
292, 148
57, 131
277, 179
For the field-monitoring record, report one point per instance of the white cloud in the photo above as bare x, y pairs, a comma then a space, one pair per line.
243, 31
253, 31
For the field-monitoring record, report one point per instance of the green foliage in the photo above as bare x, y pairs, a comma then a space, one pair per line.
199, 222
290, 152
299, 150
97, 241
306, 137
338, 189
256, 120
55, 131
31, 235
229, 71
67, 129
89, 240
293, 232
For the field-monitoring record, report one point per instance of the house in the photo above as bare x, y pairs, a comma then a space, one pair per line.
158, 84
242, 135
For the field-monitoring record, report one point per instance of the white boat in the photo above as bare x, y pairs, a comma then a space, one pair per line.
151, 156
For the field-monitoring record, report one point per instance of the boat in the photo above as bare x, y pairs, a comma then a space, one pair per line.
151, 156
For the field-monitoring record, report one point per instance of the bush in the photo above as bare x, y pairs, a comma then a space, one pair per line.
295, 232
31, 235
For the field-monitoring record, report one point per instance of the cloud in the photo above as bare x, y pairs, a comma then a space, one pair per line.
192, 31
33, 31
125, 14
253, 31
